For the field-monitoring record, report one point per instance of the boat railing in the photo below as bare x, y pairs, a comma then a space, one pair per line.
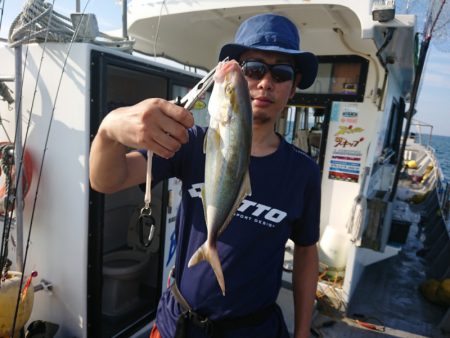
386, 156
443, 186
422, 136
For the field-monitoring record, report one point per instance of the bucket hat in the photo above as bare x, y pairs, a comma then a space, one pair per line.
275, 33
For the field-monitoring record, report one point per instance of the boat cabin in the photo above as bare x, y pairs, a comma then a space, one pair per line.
101, 275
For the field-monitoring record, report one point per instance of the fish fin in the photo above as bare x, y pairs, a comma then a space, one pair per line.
209, 254
244, 191
204, 143
246, 188
204, 205
198, 256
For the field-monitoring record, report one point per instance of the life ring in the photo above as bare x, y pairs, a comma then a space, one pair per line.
8, 176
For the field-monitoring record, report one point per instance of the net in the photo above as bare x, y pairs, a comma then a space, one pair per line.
433, 19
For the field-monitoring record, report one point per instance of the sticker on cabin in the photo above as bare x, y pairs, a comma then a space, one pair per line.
348, 130
345, 165
348, 144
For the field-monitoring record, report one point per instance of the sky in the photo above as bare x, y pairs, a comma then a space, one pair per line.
433, 104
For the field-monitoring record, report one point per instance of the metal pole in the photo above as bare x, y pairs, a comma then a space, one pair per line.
124, 19
77, 6
18, 158
411, 110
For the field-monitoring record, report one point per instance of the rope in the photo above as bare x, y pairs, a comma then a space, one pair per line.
148, 184
33, 24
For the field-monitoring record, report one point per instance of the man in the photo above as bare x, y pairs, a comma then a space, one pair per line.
285, 200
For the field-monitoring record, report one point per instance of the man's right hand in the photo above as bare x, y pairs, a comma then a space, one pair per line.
154, 124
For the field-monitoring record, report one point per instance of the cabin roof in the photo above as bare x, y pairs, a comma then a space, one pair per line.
192, 32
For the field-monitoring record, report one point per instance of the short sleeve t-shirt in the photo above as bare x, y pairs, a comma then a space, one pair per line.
284, 203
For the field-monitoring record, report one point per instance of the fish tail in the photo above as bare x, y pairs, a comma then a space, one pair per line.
209, 254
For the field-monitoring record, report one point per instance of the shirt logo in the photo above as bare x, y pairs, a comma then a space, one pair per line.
249, 210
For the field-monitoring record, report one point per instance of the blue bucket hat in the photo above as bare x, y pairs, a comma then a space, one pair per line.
275, 33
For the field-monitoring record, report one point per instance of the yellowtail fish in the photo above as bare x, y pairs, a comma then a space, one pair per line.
227, 147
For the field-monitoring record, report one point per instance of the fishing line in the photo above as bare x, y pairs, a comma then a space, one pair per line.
35, 87
163, 4
42, 161
1, 15
437, 18
9, 213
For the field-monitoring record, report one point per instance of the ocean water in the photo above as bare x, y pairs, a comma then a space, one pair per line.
441, 145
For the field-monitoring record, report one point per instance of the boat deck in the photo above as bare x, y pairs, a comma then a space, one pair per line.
388, 297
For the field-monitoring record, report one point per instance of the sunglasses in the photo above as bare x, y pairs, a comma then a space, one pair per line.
256, 70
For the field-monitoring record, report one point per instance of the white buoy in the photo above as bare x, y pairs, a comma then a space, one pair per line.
333, 248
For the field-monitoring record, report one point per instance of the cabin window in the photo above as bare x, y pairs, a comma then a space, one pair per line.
340, 77
304, 127
393, 131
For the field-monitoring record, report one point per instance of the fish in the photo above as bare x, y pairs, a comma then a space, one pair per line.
227, 149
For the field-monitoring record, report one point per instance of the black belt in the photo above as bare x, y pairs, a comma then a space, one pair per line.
214, 328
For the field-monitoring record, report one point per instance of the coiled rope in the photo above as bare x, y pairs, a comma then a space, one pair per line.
33, 24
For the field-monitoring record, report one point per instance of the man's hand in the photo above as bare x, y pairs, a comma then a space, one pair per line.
154, 124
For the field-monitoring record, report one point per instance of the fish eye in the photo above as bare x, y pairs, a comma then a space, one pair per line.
229, 89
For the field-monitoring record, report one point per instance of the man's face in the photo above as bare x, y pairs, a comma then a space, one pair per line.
269, 96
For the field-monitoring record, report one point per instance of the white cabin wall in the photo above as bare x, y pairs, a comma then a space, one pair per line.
338, 197
382, 179
359, 258
58, 247
336, 204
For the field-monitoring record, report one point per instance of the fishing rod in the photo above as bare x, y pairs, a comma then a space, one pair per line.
62, 31
44, 150
15, 195
2, 11
428, 33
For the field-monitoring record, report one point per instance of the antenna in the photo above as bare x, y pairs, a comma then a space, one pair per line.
124, 20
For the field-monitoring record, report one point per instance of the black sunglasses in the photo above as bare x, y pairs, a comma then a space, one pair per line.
256, 70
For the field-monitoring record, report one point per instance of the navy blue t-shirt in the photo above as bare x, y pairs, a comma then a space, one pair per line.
285, 203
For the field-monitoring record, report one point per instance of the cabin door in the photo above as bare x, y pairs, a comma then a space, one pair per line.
127, 267
306, 127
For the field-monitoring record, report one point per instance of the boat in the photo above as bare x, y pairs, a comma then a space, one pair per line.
99, 271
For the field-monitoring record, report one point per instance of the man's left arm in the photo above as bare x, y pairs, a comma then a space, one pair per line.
304, 278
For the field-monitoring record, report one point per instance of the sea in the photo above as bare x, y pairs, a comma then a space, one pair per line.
441, 145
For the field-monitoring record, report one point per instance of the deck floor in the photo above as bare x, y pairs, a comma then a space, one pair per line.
386, 296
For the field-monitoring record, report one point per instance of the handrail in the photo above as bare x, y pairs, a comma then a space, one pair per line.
420, 125
386, 157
